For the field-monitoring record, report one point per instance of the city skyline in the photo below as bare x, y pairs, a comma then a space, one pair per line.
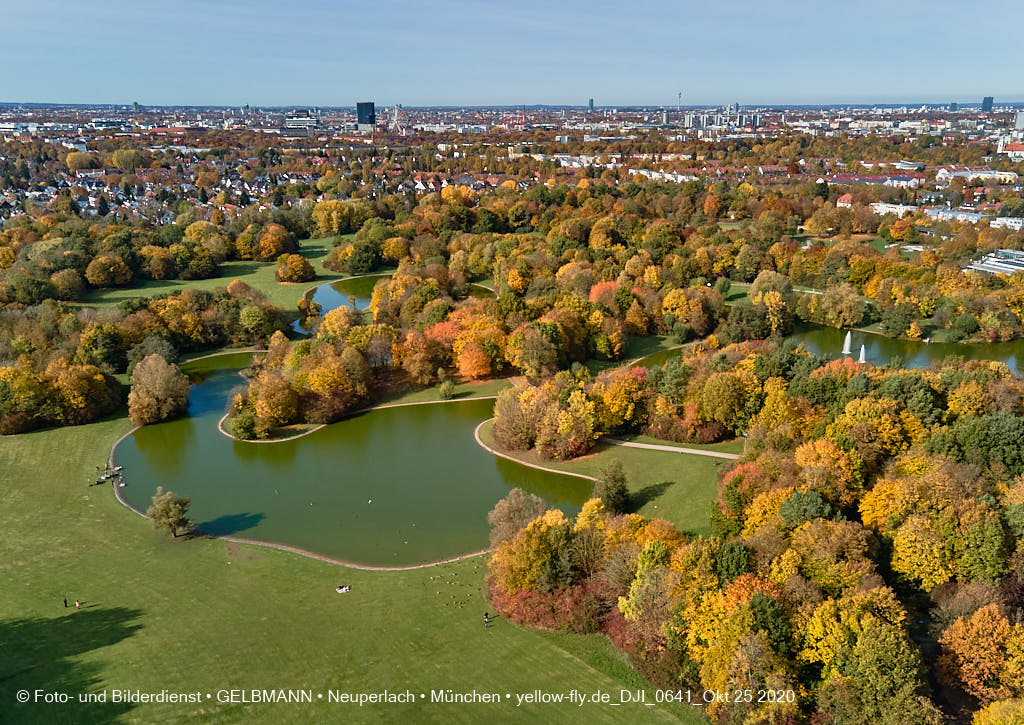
228, 53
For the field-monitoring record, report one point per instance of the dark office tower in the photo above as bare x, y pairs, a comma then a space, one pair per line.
591, 105
954, 106
366, 116
986, 104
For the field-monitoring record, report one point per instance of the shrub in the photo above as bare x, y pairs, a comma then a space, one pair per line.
243, 425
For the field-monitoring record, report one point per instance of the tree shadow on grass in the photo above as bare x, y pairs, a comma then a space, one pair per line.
44, 654
228, 525
240, 269
641, 497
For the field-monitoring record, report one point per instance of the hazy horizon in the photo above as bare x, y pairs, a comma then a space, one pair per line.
457, 53
939, 104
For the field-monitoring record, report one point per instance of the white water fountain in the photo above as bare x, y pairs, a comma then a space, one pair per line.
863, 358
846, 344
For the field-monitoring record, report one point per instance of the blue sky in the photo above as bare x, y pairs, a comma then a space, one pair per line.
465, 52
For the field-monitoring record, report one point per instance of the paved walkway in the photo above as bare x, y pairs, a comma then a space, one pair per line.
476, 435
672, 449
808, 290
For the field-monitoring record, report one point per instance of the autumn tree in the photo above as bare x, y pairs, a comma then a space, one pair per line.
512, 513
294, 268
159, 391
612, 488
877, 680
170, 512
128, 160
839, 306
275, 403
473, 361
1001, 712
531, 350
420, 357
108, 270
974, 654
515, 418
78, 160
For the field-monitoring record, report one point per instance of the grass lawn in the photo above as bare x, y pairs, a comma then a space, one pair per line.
738, 292
209, 615
638, 347
872, 239
257, 274
875, 328
673, 486
878, 243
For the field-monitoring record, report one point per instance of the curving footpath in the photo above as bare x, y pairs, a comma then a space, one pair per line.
672, 449
636, 360
499, 454
382, 406
239, 351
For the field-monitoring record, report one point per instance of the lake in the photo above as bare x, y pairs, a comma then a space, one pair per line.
880, 350
394, 486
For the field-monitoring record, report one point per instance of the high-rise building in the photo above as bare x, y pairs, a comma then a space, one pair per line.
954, 107
590, 105
986, 104
366, 116
1018, 121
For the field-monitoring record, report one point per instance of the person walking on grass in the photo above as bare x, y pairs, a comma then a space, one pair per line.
78, 605
487, 620
65, 602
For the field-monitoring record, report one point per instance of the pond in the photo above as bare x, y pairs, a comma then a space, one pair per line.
355, 290
395, 486
880, 350
358, 291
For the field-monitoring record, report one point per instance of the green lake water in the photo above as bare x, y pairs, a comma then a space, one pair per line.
336, 294
395, 486
358, 291
880, 350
